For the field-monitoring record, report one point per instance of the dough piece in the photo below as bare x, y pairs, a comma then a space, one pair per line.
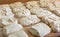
32, 19
54, 17
7, 21
55, 25
5, 11
1, 32
50, 18
43, 3
57, 11
47, 20
17, 6
51, 7
32, 4
20, 33
35, 10
12, 28
57, 4
23, 13
40, 29
42, 13
19, 9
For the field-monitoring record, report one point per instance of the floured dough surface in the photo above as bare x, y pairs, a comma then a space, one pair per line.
32, 19
39, 18
40, 29
20, 33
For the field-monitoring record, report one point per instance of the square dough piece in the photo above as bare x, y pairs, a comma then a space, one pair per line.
55, 25
23, 13
35, 10
57, 4
19, 9
47, 20
42, 13
32, 4
51, 6
54, 17
32, 19
7, 21
17, 6
20, 33
50, 18
57, 11
5, 11
43, 3
12, 28
40, 29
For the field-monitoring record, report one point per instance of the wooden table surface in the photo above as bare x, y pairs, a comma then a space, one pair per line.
12, 1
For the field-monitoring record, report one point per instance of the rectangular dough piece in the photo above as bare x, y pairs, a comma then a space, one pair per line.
42, 13
12, 28
57, 11
20, 33
54, 17
7, 21
51, 6
43, 3
17, 6
32, 4
55, 25
50, 18
5, 11
26, 21
40, 29
57, 4
47, 20
19, 9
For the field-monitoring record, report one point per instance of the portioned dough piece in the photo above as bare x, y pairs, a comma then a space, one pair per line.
32, 19
55, 25
42, 13
51, 7
50, 18
35, 10
12, 28
1, 32
57, 4
22, 13
17, 6
47, 20
40, 29
43, 3
57, 11
5, 11
7, 21
54, 17
32, 4
20, 33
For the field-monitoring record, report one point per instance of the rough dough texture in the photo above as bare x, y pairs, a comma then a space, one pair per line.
32, 4
32, 19
5, 11
42, 13
17, 6
19, 9
55, 25
40, 29
20, 33
12, 28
